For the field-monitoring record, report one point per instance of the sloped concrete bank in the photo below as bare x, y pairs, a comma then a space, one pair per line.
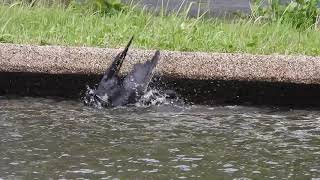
204, 78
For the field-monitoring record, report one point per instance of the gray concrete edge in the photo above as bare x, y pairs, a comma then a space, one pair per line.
179, 65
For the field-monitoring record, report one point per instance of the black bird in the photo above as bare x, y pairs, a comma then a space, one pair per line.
116, 91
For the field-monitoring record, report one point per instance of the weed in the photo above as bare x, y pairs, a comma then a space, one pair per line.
301, 14
99, 6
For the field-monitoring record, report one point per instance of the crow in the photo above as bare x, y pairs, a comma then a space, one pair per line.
116, 91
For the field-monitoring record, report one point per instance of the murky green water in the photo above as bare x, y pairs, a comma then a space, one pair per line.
43, 138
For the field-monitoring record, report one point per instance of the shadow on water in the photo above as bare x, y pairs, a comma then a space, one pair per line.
202, 92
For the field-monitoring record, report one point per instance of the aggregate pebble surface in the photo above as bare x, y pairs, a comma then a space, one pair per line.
182, 65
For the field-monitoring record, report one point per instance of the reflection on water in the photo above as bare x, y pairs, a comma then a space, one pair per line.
43, 138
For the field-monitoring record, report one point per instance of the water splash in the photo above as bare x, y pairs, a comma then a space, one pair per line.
152, 97
88, 98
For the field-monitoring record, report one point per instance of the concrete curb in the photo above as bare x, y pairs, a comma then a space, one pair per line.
178, 65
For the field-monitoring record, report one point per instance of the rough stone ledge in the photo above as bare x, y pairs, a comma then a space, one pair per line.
178, 65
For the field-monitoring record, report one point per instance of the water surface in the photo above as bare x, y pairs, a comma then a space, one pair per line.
59, 139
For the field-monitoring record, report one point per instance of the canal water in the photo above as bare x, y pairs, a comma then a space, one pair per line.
196, 7
62, 139
199, 7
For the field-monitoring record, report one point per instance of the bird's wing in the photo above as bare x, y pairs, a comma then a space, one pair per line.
114, 69
140, 77
137, 81
110, 78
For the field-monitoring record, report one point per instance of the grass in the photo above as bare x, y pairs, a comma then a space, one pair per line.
67, 26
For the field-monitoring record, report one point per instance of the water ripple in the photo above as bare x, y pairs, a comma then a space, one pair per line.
59, 139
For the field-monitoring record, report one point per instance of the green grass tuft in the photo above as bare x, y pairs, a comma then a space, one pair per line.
68, 26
